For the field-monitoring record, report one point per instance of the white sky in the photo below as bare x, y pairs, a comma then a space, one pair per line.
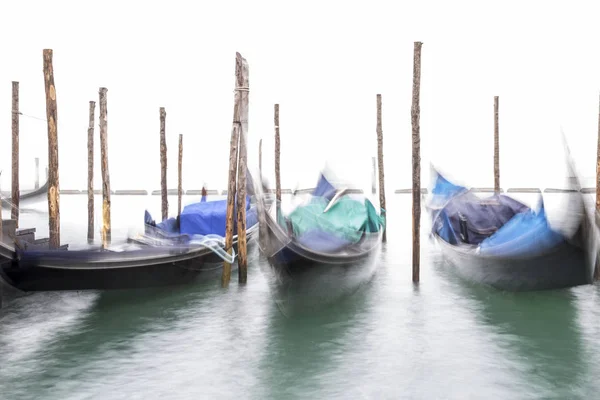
324, 62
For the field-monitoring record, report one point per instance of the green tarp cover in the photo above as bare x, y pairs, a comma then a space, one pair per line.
347, 218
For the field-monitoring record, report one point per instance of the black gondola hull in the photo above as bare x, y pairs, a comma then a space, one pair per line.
304, 278
80, 270
566, 265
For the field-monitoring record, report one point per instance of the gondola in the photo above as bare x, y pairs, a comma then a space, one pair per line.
27, 197
501, 242
168, 253
323, 247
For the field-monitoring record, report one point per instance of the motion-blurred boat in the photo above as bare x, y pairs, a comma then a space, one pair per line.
26, 197
326, 243
172, 252
501, 242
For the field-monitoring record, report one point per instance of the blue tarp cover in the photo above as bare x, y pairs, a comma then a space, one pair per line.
324, 189
325, 242
524, 232
204, 218
484, 216
445, 229
500, 225
208, 217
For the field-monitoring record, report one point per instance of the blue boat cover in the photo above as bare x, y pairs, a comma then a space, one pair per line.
443, 190
324, 189
203, 218
483, 216
523, 233
499, 224
445, 230
322, 241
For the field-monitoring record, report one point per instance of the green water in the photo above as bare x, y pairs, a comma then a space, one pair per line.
444, 339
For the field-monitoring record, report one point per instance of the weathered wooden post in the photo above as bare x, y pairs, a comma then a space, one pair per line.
53, 181
179, 172
240, 118
277, 157
163, 166
106, 228
416, 162
90, 186
15, 153
380, 162
244, 88
37, 173
597, 266
496, 146
598, 165
260, 157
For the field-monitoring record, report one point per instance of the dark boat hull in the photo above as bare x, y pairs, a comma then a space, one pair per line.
75, 270
285, 253
303, 278
566, 265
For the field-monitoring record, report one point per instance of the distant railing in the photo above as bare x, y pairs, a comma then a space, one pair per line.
214, 192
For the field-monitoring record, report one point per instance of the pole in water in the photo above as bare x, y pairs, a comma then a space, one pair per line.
598, 164
416, 162
597, 269
179, 173
53, 180
277, 157
15, 153
90, 186
163, 166
380, 162
106, 228
496, 146
241, 81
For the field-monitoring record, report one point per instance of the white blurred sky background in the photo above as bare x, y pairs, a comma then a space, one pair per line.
323, 62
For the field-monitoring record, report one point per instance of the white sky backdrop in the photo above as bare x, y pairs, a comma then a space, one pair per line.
324, 62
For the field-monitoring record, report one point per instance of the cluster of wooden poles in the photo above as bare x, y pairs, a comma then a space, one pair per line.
52, 170
237, 163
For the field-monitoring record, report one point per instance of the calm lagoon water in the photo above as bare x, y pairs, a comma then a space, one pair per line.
390, 339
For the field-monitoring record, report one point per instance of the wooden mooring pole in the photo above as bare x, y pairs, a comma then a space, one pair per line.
106, 225
244, 84
416, 163
239, 119
496, 146
380, 163
15, 154
598, 164
163, 166
277, 157
179, 173
90, 186
53, 181
597, 266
